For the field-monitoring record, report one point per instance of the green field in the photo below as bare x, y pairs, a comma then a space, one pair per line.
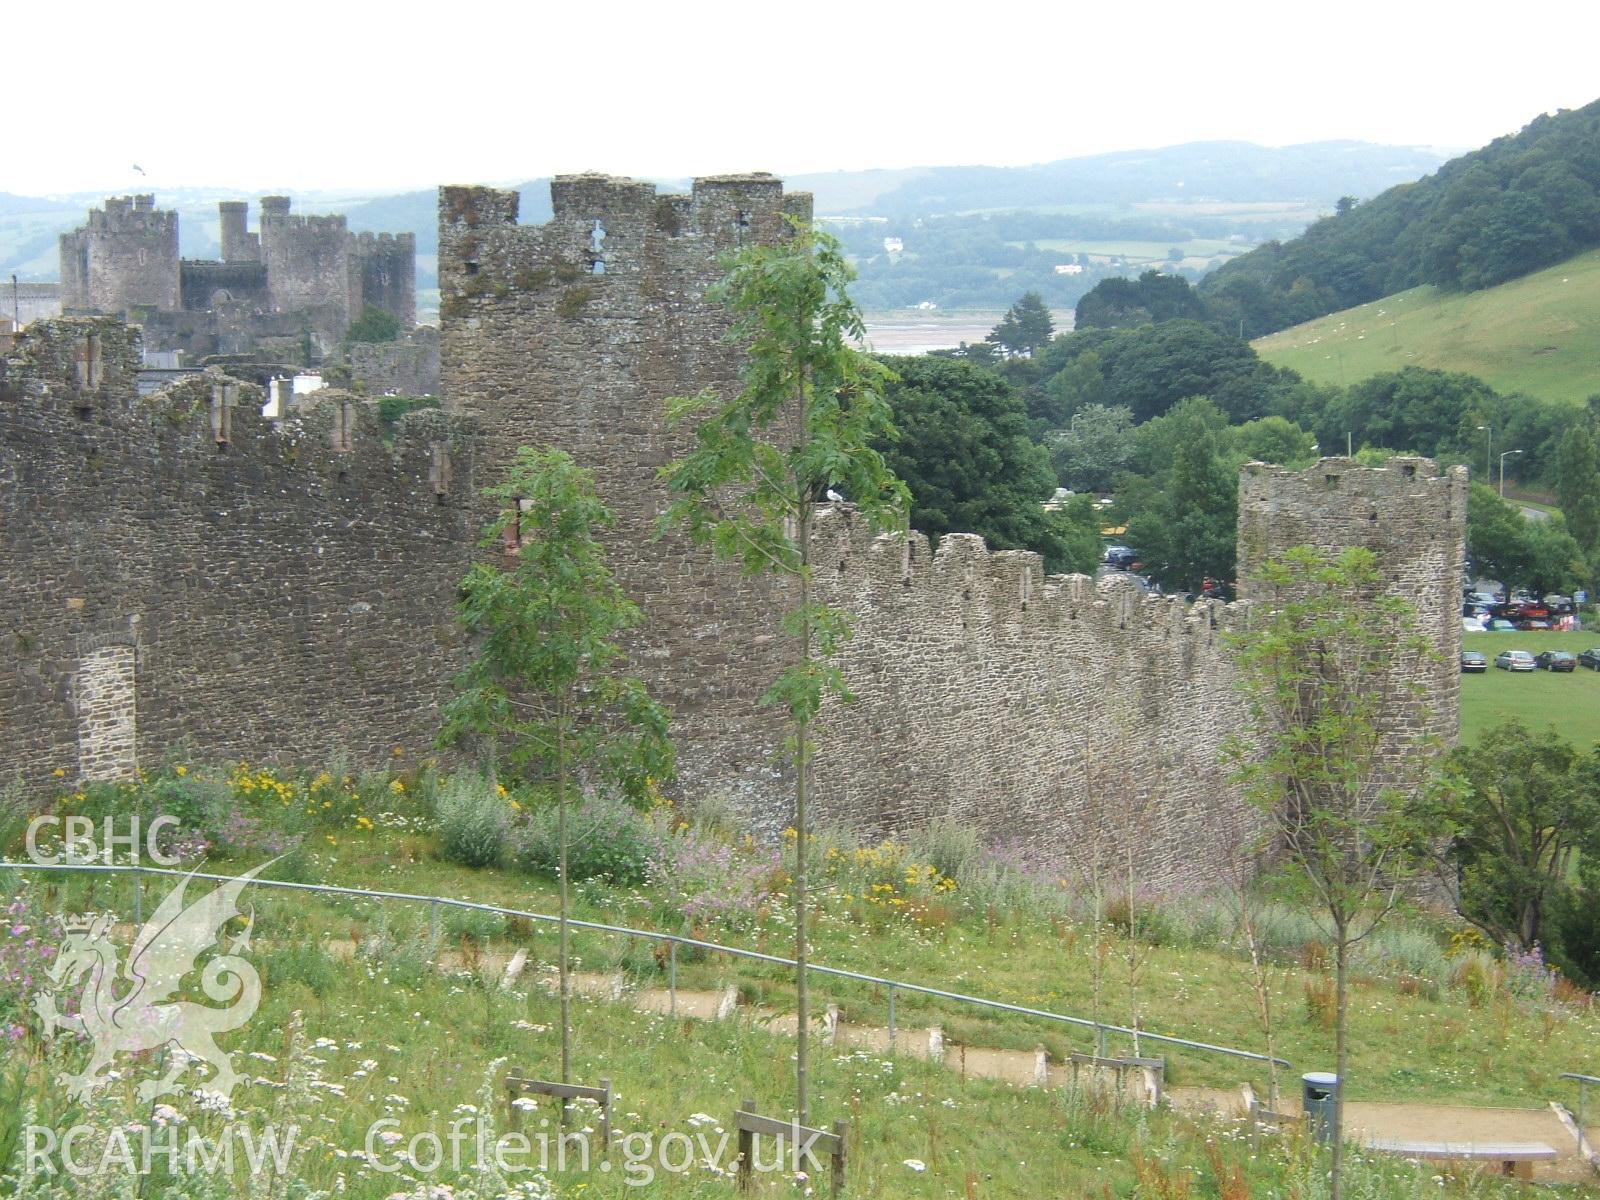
1570, 703
1539, 335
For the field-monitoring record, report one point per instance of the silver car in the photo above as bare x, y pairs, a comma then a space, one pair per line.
1514, 660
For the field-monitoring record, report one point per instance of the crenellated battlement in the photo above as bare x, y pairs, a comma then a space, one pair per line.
1057, 710
125, 261
132, 214
328, 433
278, 586
603, 225
860, 570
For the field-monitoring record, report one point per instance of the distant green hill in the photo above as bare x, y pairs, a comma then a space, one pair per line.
1539, 334
1519, 204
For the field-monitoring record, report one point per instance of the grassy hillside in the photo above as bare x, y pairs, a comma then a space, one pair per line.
1539, 334
341, 1042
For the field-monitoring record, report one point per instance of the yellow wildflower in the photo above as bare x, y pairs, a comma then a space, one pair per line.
59, 773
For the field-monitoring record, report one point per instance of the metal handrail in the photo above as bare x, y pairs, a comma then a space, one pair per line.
1583, 1082
892, 985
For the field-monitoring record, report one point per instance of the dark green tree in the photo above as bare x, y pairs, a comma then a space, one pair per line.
1183, 519
962, 447
545, 696
1128, 303
1527, 805
1026, 326
1275, 440
1094, 449
1578, 487
809, 415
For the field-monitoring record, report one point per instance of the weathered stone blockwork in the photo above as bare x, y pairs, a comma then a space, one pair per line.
1069, 716
125, 258
1051, 711
271, 594
180, 570
1414, 521
574, 333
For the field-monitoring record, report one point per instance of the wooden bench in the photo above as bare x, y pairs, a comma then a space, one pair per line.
805, 1144
518, 1086
1516, 1159
1151, 1072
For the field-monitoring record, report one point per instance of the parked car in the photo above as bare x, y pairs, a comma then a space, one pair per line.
1514, 660
1560, 605
1120, 557
1555, 660
1501, 625
1473, 625
1473, 663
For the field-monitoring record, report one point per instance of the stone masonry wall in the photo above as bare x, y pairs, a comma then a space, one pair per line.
124, 258
268, 596
574, 333
388, 264
309, 265
1072, 716
1414, 521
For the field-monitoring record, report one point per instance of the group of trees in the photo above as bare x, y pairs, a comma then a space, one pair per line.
963, 448
1112, 406
1520, 203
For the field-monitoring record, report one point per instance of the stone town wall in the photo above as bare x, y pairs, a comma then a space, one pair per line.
1068, 716
406, 367
1062, 713
180, 570
286, 593
1414, 520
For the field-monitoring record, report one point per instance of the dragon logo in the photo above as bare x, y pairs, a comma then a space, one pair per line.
145, 1017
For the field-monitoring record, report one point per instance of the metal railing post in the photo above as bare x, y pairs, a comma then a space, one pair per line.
672, 979
891, 1018
138, 895
433, 928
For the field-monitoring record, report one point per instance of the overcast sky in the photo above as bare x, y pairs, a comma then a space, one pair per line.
344, 95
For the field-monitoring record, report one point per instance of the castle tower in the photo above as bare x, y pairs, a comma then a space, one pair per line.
238, 245
1412, 518
125, 258
574, 334
387, 263
310, 267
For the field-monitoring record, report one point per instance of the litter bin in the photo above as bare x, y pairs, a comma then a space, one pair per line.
1319, 1096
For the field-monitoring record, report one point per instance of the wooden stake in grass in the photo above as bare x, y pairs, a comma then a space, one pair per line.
805, 421
544, 696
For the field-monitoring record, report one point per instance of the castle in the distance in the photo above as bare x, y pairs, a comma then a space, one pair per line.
298, 279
